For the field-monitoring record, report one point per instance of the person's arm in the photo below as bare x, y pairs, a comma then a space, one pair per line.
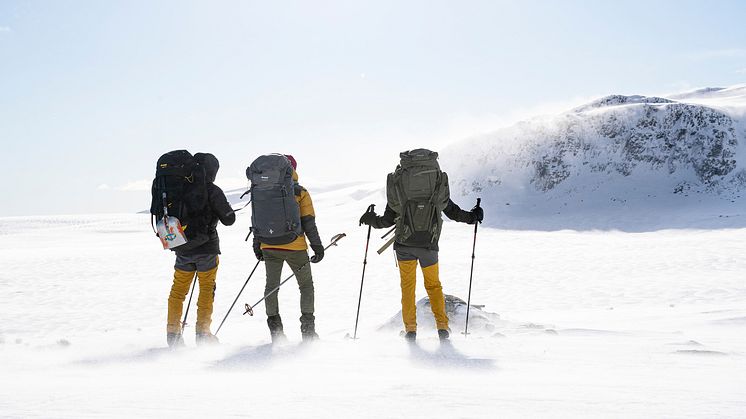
386, 220
308, 219
257, 247
308, 222
379, 221
220, 206
455, 213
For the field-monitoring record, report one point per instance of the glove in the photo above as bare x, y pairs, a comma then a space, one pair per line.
258, 251
368, 218
318, 253
477, 215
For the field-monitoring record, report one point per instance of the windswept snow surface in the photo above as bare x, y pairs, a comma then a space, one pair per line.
586, 324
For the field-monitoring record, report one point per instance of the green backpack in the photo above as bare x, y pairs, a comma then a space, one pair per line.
418, 192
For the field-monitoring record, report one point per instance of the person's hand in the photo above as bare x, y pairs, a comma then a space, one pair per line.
258, 251
368, 218
318, 253
477, 215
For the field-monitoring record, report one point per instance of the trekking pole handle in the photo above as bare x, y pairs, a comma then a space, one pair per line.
335, 239
479, 202
371, 209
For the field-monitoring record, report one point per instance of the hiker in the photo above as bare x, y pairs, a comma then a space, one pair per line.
417, 192
281, 227
200, 254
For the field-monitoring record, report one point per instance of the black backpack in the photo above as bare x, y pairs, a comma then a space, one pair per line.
180, 185
418, 191
275, 214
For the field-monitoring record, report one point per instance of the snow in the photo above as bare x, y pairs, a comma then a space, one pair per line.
597, 293
587, 324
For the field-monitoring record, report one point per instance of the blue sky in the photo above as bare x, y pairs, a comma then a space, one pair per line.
92, 92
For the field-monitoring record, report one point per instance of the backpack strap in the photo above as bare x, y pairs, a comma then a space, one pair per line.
298, 189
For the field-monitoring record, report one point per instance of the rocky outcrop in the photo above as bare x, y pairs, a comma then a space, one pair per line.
691, 145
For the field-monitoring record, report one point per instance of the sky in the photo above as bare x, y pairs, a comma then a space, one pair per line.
92, 92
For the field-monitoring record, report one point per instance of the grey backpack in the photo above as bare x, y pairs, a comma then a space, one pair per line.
275, 217
418, 192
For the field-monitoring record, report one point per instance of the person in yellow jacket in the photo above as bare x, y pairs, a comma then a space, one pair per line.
295, 254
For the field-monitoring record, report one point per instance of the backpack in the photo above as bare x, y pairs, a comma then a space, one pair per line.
275, 214
179, 195
418, 192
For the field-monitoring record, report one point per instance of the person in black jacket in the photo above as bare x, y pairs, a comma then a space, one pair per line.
420, 246
202, 260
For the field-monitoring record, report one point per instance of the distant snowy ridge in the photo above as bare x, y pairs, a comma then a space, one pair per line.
633, 151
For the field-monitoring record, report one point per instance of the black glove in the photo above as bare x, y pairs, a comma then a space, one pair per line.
368, 218
258, 251
318, 253
477, 215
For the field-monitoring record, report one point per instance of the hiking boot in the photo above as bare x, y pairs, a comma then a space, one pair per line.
174, 340
410, 336
206, 338
308, 327
275, 328
443, 335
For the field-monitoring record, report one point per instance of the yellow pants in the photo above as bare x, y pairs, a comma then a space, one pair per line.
408, 273
179, 290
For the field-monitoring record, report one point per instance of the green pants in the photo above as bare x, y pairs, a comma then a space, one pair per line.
298, 262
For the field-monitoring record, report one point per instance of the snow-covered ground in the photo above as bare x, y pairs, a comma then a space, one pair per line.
586, 324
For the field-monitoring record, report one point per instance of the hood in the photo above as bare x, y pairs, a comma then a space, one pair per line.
210, 163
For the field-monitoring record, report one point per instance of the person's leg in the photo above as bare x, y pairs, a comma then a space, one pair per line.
273, 261
206, 275
179, 290
408, 273
299, 263
435, 293
430, 271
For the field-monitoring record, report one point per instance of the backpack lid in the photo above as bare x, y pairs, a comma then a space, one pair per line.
269, 169
174, 163
418, 157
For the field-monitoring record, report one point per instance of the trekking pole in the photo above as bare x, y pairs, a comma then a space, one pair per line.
389, 242
250, 309
389, 232
371, 209
471, 273
184, 323
239, 294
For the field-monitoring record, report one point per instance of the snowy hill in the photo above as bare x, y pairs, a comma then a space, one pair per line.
679, 160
